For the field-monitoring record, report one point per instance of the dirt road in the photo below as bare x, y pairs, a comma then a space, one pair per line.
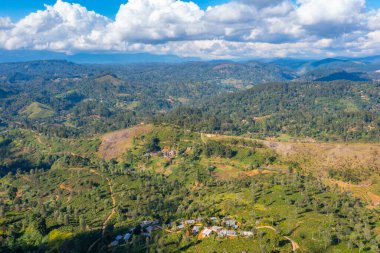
295, 245
113, 211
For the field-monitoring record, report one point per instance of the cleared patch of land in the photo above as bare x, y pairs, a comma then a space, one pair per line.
360, 161
362, 191
116, 143
322, 157
108, 79
227, 171
37, 111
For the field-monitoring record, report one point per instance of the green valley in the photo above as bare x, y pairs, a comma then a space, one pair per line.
189, 157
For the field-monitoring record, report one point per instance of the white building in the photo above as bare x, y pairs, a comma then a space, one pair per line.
246, 233
224, 233
216, 228
190, 222
206, 232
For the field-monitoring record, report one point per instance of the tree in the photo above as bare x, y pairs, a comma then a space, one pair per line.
82, 223
66, 219
326, 238
211, 169
12, 193
374, 246
60, 218
152, 145
41, 226
367, 233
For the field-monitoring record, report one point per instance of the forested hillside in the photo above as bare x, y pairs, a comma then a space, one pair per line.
207, 157
66, 99
329, 111
172, 190
332, 69
69, 99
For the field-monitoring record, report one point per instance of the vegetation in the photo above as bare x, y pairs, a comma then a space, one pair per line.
198, 146
88, 99
37, 111
337, 111
65, 207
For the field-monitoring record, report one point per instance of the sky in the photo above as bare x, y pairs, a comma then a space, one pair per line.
217, 29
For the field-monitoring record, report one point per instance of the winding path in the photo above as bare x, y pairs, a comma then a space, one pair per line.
202, 138
113, 212
295, 245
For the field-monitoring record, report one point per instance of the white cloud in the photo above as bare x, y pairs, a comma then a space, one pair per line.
5, 23
232, 13
311, 12
374, 20
155, 21
260, 3
62, 26
240, 28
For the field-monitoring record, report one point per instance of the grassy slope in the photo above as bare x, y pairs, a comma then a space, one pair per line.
37, 111
319, 158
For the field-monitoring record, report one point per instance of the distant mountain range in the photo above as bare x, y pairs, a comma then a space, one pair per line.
101, 58
329, 69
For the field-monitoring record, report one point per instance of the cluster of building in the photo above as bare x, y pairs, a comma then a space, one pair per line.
228, 228
225, 228
168, 153
120, 238
147, 227
165, 152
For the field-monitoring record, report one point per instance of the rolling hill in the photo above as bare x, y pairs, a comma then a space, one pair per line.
340, 110
37, 111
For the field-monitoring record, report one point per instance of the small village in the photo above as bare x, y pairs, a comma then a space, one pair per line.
221, 228
166, 152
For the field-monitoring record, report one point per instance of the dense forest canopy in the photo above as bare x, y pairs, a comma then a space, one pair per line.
70, 97
340, 110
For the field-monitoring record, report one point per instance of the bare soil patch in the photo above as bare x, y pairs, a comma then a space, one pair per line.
362, 191
375, 199
362, 159
19, 193
62, 186
114, 144
321, 157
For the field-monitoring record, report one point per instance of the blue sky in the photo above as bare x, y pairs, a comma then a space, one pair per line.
231, 29
17, 9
